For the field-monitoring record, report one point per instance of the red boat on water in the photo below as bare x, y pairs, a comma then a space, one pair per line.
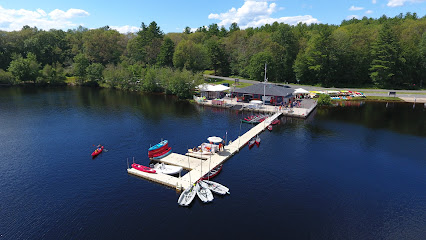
251, 143
97, 151
257, 141
142, 168
215, 171
269, 127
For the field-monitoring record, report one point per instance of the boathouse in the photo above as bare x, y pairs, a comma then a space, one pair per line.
274, 94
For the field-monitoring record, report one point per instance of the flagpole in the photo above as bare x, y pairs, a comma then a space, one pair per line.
264, 87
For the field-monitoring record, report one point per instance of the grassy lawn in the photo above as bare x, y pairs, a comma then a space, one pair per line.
208, 72
231, 83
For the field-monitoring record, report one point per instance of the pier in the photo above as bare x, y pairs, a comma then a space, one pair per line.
198, 167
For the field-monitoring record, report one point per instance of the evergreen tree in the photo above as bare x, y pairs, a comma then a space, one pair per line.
383, 68
165, 57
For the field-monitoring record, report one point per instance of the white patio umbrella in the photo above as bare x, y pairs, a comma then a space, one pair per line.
215, 139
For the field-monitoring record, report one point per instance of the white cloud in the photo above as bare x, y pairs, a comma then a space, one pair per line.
352, 16
71, 13
353, 8
255, 14
374, 1
368, 12
12, 19
125, 29
399, 3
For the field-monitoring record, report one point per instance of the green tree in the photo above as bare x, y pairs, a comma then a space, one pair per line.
234, 27
53, 74
117, 77
187, 30
80, 67
218, 57
385, 56
190, 56
94, 72
165, 57
25, 69
286, 54
256, 68
103, 45
6, 77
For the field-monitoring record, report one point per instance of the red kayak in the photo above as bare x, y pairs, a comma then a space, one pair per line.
97, 151
142, 168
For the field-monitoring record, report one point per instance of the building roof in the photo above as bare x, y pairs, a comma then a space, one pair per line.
270, 89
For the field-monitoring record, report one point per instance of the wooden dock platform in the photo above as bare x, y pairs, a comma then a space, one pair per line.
199, 167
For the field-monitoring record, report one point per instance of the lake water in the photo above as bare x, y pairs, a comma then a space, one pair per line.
349, 172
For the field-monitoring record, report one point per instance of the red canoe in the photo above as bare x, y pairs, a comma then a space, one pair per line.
142, 168
161, 154
215, 171
97, 151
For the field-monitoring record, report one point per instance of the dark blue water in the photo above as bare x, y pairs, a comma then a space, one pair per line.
345, 173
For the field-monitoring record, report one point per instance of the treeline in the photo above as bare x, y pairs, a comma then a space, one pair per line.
385, 52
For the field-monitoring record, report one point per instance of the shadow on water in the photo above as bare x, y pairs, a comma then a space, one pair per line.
398, 117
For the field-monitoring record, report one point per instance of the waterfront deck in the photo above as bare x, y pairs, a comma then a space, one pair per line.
307, 106
199, 167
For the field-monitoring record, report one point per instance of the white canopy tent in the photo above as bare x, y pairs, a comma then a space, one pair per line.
212, 91
300, 91
213, 88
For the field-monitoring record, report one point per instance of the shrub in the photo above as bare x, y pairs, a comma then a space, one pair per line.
324, 100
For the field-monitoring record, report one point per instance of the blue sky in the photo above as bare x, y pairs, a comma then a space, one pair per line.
174, 16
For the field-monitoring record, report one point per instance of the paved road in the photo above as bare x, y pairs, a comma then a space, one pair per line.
407, 95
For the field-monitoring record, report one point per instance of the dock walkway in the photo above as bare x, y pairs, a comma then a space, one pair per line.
199, 167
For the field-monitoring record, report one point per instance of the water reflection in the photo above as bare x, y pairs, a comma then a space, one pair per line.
398, 117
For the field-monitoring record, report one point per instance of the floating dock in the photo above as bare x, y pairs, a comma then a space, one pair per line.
199, 167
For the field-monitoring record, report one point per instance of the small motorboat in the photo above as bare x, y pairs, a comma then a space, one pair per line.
269, 127
215, 171
257, 141
97, 151
215, 187
203, 193
166, 169
143, 168
162, 154
251, 143
187, 196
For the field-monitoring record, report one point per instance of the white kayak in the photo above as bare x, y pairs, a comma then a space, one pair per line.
203, 193
166, 169
187, 196
215, 187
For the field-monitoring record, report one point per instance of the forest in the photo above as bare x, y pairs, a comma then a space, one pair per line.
388, 52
